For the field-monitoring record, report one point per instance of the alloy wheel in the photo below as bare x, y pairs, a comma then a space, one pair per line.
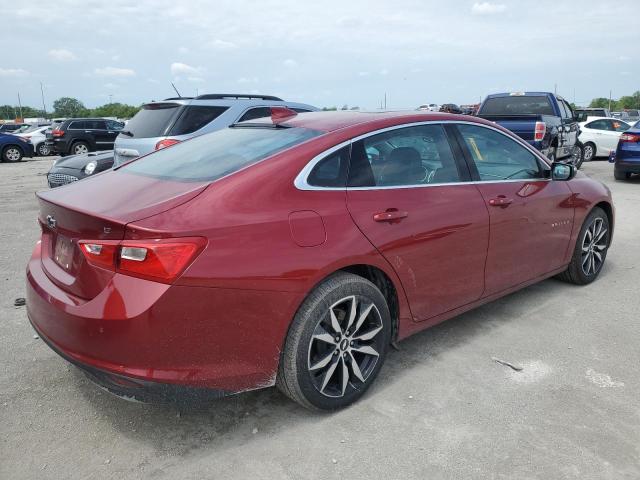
594, 245
588, 152
576, 156
43, 150
80, 149
12, 154
345, 346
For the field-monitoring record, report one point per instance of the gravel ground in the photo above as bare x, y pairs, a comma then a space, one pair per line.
441, 408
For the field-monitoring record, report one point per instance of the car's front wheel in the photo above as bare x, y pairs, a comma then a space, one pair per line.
589, 152
11, 154
336, 344
577, 155
590, 251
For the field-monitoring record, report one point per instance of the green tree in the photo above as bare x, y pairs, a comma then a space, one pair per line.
119, 110
69, 107
599, 102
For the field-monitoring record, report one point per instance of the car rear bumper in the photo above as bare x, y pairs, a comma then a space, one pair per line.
137, 332
628, 167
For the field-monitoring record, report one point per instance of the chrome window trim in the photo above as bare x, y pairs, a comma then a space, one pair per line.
300, 182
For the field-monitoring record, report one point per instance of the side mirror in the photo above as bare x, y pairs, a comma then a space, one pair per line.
562, 171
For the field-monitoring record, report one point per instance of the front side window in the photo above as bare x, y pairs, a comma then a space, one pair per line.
497, 157
418, 155
215, 155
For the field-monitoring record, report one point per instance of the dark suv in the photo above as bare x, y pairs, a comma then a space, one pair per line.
82, 135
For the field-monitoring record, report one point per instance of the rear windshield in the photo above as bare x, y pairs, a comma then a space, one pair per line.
215, 155
152, 120
163, 119
517, 105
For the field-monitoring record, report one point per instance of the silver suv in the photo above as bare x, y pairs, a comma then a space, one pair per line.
161, 124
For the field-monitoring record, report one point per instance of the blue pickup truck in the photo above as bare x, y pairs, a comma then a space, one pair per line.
544, 120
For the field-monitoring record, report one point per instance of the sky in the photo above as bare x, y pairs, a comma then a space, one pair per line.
326, 53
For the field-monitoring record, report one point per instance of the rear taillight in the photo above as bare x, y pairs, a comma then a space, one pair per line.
161, 260
630, 137
57, 132
540, 130
167, 142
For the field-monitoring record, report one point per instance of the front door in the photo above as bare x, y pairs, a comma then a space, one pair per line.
531, 216
406, 196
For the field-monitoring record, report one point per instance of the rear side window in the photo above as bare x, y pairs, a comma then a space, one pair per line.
213, 156
153, 120
193, 118
331, 171
517, 105
254, 113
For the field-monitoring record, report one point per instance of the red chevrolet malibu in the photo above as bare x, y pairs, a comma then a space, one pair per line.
293, 250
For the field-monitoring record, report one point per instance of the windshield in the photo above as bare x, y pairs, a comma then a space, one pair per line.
517, 105
215, 155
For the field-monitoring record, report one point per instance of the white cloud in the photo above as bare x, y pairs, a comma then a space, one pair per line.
62, 55
290, 62
178, 68
195, 79
487, 8
13, 72
363, 74
223, 44
114, 72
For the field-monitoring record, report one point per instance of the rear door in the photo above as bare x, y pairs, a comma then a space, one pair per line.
102, 138
531, 216
407, 194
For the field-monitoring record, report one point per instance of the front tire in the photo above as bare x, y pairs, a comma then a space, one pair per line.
336, 344
577, 156
11, 154
589, 152
590, 251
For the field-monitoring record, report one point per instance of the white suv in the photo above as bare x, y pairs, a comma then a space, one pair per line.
161, 124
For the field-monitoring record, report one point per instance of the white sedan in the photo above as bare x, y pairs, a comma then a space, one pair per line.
599, 135
37, 138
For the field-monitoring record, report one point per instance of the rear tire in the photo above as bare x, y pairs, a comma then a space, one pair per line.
618, 175
589, 151
79, 148
590, 250
11, 154
336, 344
42, 150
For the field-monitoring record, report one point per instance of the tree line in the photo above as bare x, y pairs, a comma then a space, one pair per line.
69, 107
623, 103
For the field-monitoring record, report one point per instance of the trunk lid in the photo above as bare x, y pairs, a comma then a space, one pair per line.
99, 208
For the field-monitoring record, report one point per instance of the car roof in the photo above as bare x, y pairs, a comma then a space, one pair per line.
336, 120
591, 118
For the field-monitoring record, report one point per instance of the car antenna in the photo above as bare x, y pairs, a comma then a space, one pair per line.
174, 87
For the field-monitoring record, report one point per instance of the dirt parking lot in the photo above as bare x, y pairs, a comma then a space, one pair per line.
441, 408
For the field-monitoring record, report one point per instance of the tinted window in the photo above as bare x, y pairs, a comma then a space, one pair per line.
497, 157
153, 120
193, 118
619, 126
97, 124
517, 105
254, 113
112, 125
209, 157
331, 171
566, 110
599, 125
406, 156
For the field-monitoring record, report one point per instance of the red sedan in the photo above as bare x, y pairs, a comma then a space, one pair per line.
293, 250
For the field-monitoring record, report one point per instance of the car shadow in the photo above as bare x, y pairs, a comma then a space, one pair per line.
191, 427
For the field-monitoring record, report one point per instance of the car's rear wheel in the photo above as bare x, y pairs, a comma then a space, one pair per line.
11, 154
336, 344
79, 148
590, 251
43, 150
619, 175
589, 152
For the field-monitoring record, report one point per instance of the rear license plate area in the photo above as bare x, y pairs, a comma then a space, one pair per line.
63, 252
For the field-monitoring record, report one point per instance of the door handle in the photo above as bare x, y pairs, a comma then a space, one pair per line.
500, 201
392, 215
